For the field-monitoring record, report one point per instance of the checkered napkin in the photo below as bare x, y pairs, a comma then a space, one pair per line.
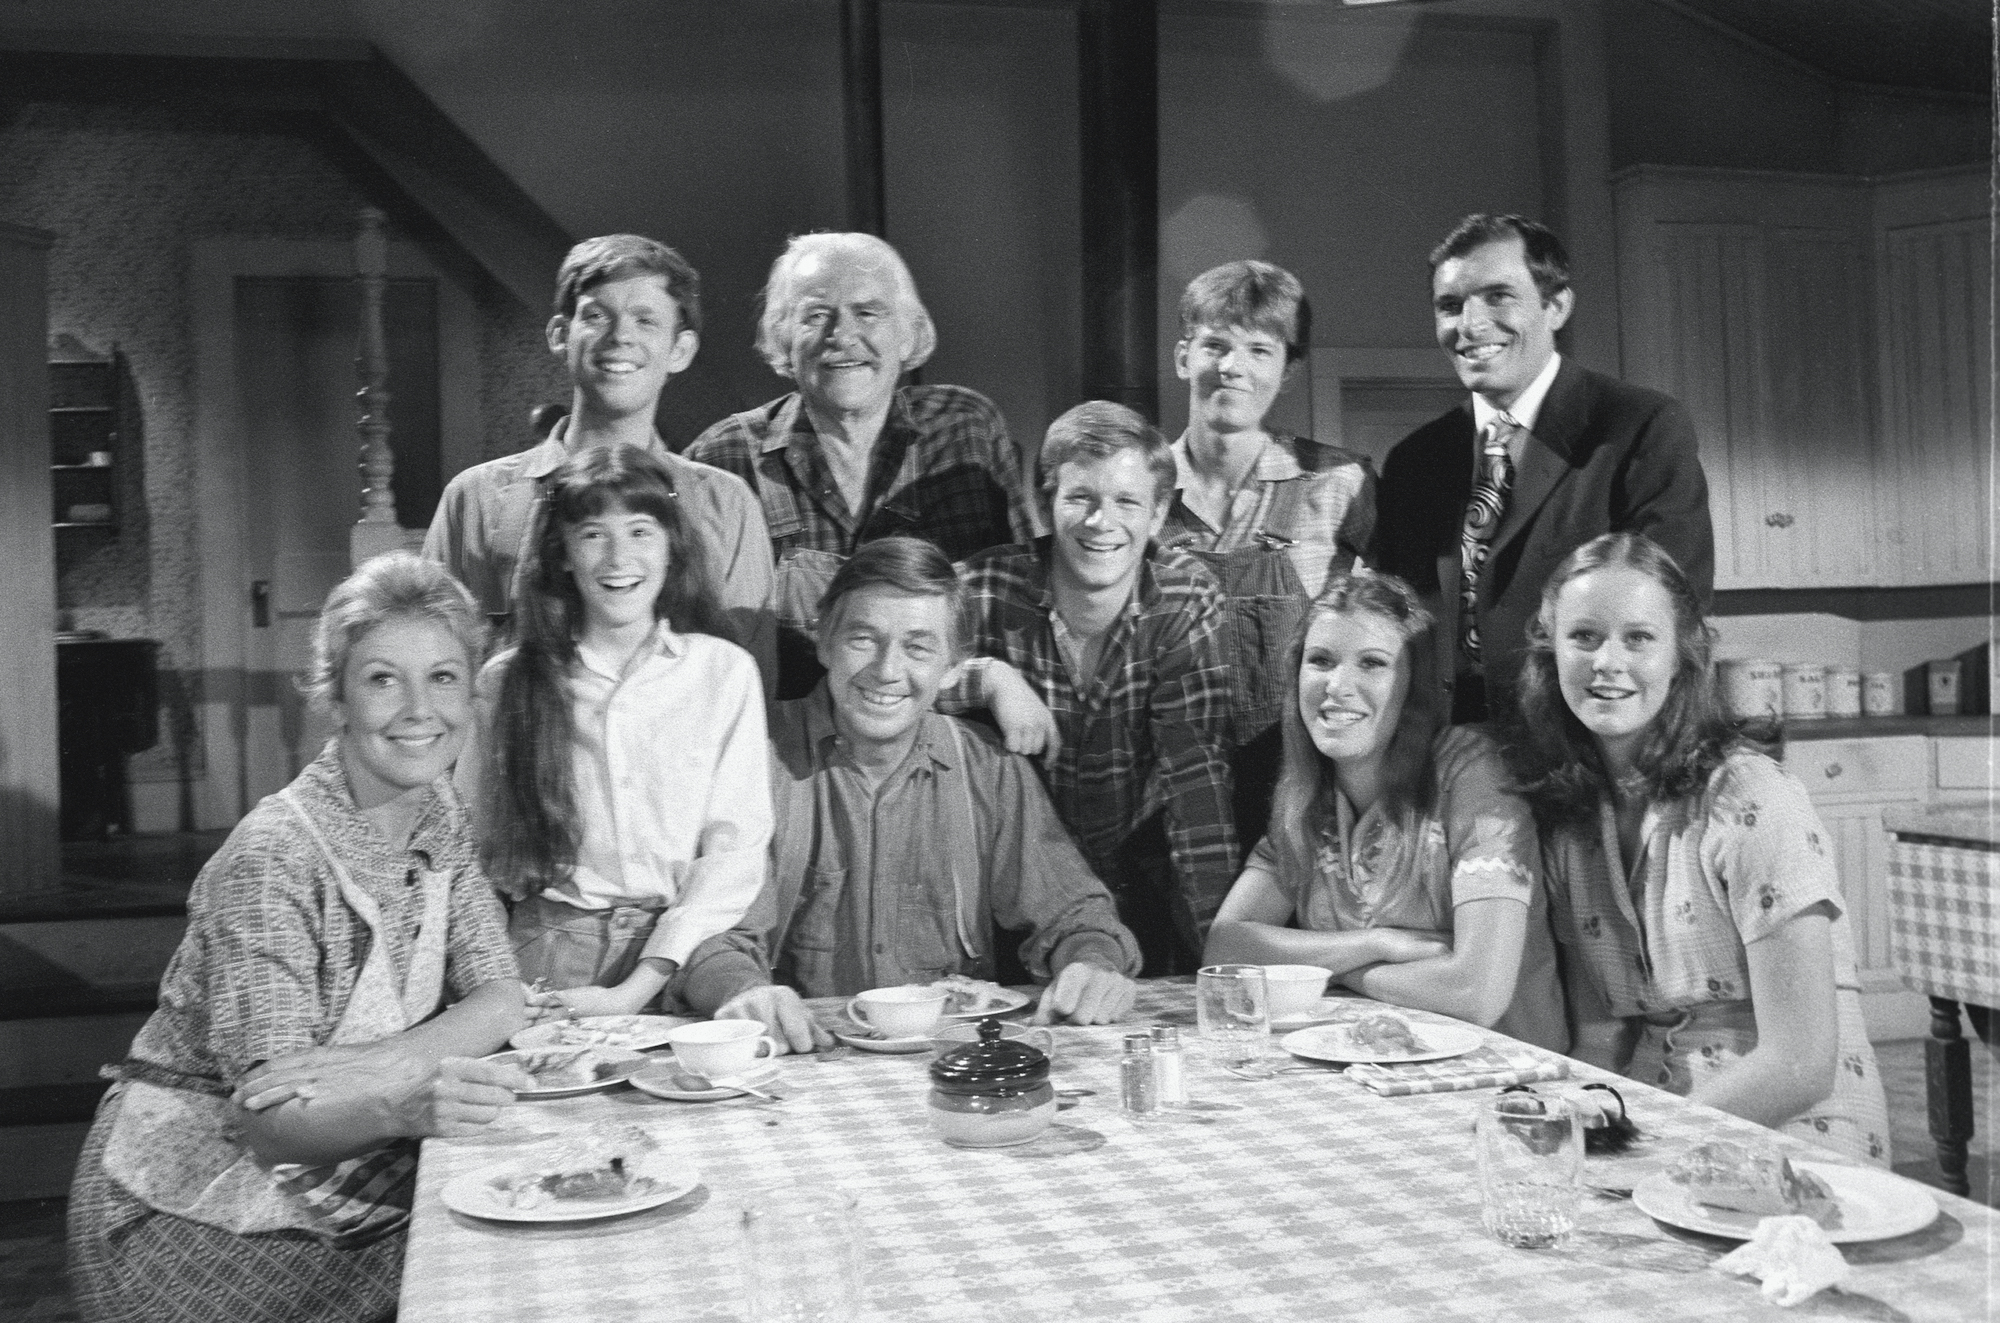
1494, 1066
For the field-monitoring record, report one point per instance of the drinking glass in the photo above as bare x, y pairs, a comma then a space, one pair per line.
801, 1256
1232, 1006
1530, 1168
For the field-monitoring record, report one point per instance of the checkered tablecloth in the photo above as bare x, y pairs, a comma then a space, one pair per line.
1312, 1199
1944, 920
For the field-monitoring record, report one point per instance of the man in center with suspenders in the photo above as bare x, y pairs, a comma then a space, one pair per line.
902, 836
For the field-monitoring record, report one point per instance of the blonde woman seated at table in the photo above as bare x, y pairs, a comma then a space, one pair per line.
256, 1159
1396, 849
1694, 891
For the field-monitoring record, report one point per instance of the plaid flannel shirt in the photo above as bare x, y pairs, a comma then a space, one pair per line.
943, 469
1151, 729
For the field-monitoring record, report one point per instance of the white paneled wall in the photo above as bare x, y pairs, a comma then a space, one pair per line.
1937, 408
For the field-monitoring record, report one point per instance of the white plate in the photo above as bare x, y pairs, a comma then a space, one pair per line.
473, 1194
634, 1032
657, 1078
1329, 1042
1874, 1205
625, 1059
856, 1037
1011, 1001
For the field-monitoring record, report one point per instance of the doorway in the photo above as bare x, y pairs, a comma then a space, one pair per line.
278, 328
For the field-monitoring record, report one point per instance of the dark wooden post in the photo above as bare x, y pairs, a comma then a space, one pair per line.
861, 97
1119, 111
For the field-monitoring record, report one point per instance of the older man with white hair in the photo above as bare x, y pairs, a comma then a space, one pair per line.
852, 455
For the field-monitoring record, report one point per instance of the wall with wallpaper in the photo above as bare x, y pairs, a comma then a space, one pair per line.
126, 190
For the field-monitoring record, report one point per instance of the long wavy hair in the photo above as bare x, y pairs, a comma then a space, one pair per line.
530, 784
1556, 759
1303, 806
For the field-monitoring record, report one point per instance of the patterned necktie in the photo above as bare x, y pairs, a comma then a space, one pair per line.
1482, 517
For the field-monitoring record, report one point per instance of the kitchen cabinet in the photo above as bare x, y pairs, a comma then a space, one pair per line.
1852, 782
1829, 337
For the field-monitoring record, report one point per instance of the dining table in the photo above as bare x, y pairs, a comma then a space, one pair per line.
1304, 1196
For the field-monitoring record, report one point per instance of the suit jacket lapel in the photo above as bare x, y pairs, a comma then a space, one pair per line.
1558, 429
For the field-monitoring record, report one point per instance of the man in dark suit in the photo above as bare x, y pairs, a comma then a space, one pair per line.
1478, 506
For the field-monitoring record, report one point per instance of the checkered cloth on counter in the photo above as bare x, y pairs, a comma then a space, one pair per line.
1944, 920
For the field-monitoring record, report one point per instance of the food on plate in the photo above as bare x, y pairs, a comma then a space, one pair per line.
567, 1068
1381, 1032
612, 1031
1791, 1256
1731, 1176
969, 996
596, 1165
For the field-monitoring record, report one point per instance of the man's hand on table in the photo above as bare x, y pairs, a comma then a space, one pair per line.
1084, 993
784, 1015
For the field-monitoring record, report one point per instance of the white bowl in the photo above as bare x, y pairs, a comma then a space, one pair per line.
1295, 989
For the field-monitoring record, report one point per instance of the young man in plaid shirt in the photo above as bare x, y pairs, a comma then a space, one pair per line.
1113, 649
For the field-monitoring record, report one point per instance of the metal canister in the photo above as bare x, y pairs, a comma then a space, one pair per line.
1882, 694
1751, 690
1843, 692
1805, 691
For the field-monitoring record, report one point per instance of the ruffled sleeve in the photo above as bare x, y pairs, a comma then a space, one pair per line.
1489, 830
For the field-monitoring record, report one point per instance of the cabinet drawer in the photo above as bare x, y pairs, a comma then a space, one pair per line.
1850, 767
1965, 763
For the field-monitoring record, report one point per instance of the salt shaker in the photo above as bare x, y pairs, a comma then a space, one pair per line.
1169, 1079
1137, 1092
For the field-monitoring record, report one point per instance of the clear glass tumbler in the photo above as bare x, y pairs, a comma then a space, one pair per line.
1530, 1168
801, 1256
1232, 1007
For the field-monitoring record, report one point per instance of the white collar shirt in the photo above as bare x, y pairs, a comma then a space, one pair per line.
672, 787
1527, 408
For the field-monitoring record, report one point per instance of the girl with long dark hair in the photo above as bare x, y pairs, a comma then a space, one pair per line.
1397, 849
1693, 886
626, 796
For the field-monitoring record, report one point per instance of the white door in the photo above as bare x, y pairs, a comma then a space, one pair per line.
295, 382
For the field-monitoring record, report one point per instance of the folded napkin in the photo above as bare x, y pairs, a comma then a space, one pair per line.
1492, 1067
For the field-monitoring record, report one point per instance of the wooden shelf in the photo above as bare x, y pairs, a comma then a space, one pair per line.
79, 408
80, 468
110, 524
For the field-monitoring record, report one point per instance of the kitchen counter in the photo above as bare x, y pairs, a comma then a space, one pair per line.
1850, 728
1972, 825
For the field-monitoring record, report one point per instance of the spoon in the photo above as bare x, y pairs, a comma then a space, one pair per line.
693, 1083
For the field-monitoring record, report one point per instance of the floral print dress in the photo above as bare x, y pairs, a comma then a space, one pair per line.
1665, 945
